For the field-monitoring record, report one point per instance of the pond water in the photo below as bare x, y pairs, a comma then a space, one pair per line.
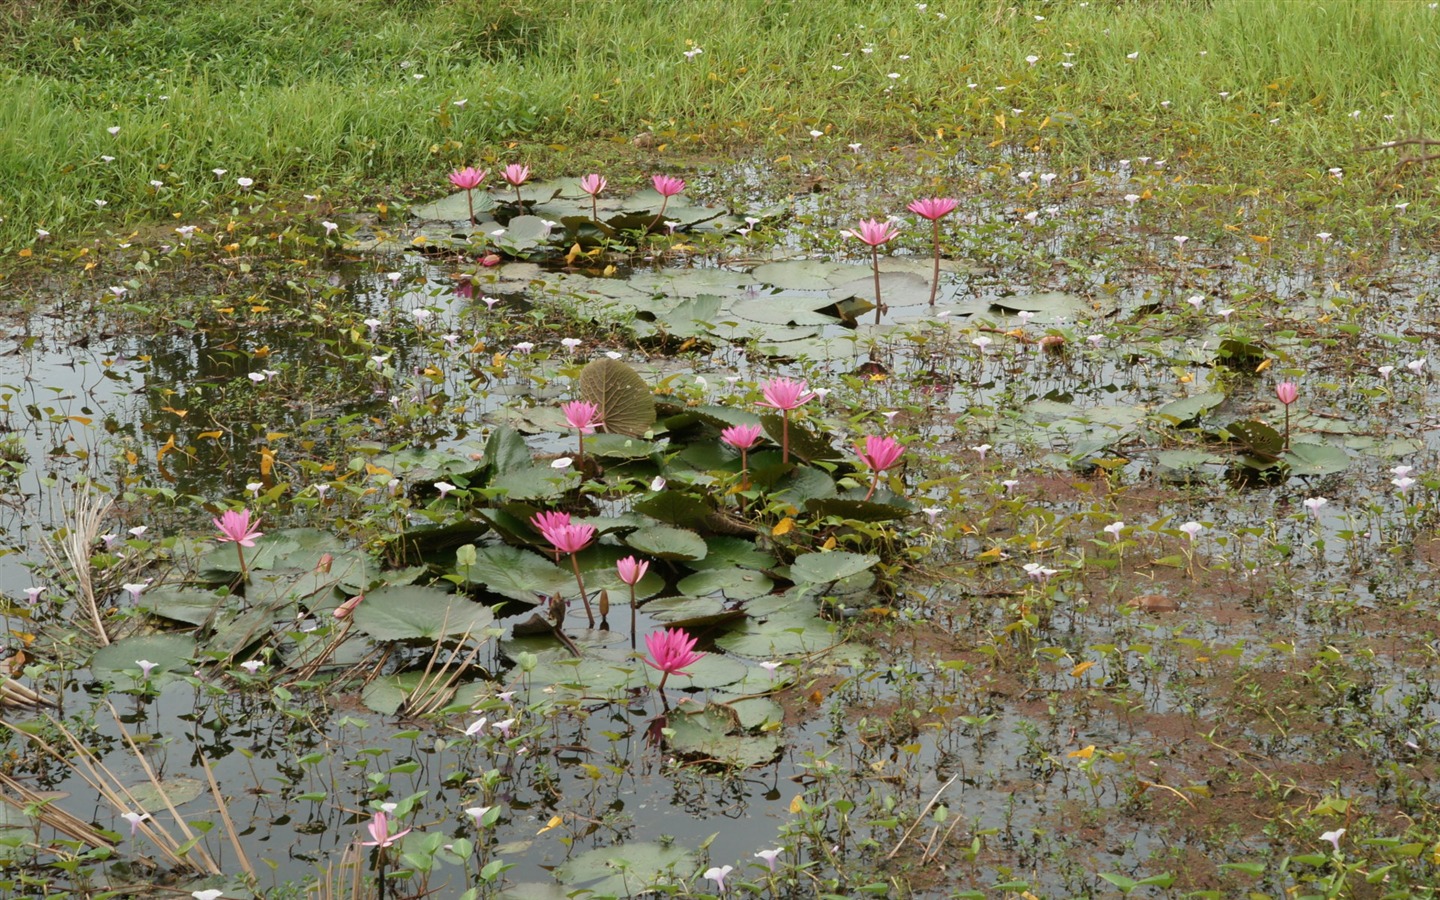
295, 396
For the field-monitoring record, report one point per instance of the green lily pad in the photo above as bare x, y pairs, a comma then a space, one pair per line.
189, 605
732, 583
177, 790
780, 635
536, 483
454, 208
388, 693
823, 568
626, 870
665, 542
1315, 459
676, 508
170, 651
400, 613
627, 405
734, 551
1048, 307
1187, 409
514, 573
714, 735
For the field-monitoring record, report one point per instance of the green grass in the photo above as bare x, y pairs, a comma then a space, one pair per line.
322, 94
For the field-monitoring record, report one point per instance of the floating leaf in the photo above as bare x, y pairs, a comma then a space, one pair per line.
626, 870
714, 735
170, 651
514, 573
626, 403
408, 612
455, 208
665, 542
536, 483
1187, 409
823, 568
1258, 438
1315, 459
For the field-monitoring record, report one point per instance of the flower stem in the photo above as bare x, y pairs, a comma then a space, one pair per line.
874, 483
784, 436
935, 281
575, 563
875, 260
632, 617
664, 201
244, 576
595, 208
1287, 426
470, 202
519, 204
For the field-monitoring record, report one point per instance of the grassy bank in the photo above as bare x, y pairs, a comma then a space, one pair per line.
341, 97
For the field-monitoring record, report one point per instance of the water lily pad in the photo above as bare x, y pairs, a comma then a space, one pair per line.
714, 735
677, 508
778, 636
754, 713
823, 568
177, 789
805, 274
388, 693
1048, 307
514, 573
408, 612
733, 551
627, 405
898, 290
732, 583
691, 317
626, 870
1315, 459
536, 483
179, 604
171, 652
455, 208
782, 309
665, 542
618, 446
1187, 409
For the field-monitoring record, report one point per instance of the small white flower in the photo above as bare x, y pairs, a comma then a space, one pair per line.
252, 665
245, 183
330, 227
1192, 529
1135, 55
657, 483
1114, 529
113, 129
561, 463
1314, 504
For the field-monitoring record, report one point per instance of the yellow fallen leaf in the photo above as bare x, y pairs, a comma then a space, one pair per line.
554, 821
784, 526
1082, 668
217, 434
1263, 366
1086, 753
168, 446
797, 805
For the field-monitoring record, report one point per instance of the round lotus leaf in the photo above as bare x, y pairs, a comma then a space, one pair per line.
754, 713
455, 208
734, 584
293, 548
734, 551
779, 635
1049, 308
536, 483
665, 542
627, 405
170, 652
898, 290
408, 612
713, 734
189, 605
782, 309
805, 274
1315, 459
626, 870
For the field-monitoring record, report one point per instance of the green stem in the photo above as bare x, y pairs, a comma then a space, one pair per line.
664, 201
240, 551
784, 436
875, 260
935, 281
632, 617
575, 563
470, 202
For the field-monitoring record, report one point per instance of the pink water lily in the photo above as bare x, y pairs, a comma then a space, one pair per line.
380, 836
671, 650
516, 175
467, 180
934, 209
879, 454
582, 416
631, 570
875, 232
741, 437
1287, 392
236, 526
570, 538
544, 521
785, 394
593, 184
666, 186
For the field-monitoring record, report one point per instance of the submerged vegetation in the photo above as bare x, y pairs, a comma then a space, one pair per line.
456, 456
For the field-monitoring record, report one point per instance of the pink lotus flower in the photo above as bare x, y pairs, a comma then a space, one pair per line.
544, 521
785, 394
879, 453
516, 175
741, 437
631, 570
671, 651
235, 526
468, 179
666, 186
593, 184
568, 537
934, 209
380, 835
1288, 392
875, 232
582, 415
571, 537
